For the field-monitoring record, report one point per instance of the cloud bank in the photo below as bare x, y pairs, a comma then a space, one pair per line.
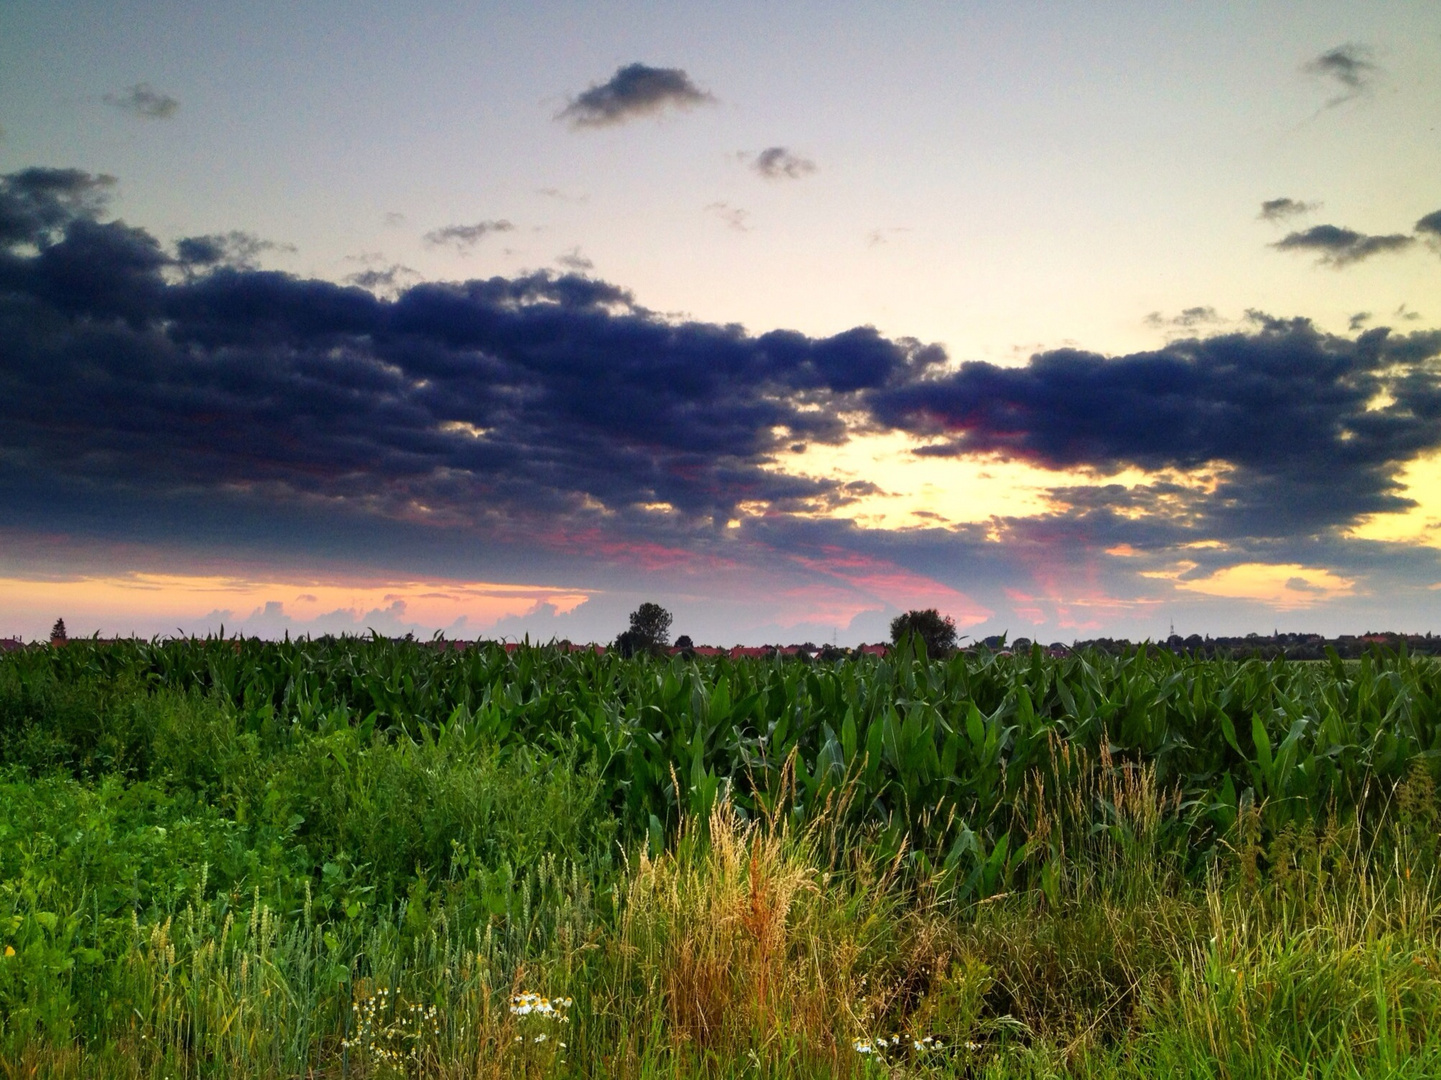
178, 389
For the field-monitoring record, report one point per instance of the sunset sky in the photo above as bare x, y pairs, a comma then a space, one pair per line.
1065, 319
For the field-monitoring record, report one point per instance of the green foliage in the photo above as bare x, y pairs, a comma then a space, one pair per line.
932, 757
649, 630
936, 631
212, 852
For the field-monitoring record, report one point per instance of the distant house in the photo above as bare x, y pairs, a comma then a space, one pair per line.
10, 644
752, 652
874, 650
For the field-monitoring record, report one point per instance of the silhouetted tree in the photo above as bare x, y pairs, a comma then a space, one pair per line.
936, 630
57, 632
649, 630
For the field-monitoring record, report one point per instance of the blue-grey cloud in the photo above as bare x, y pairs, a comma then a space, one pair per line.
1429, 229
1337, 246
1349, 67
193, 397
634, 90
574, 260
779, 163
1282, 209
235, 249
1189, 319
484, 401
382, 279
1287, 417
465, 237
144, 101
35, 203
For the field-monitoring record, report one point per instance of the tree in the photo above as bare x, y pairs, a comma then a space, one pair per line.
649, 630
937, 631
57, 632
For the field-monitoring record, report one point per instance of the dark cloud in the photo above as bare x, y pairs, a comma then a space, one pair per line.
144, 101
465, 237
238, 250
480, 404
778, 163
1289, 419
549, 419
1429, 229
1358, 320
1339, 247
382, 279
36, 204
1349, 67
1283, 209
634, 90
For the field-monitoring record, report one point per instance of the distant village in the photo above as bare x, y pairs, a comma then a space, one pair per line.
1293, 646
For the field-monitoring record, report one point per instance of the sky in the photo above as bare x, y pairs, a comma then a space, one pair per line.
1068, 320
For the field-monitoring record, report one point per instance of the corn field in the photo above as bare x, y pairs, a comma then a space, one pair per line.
399, 858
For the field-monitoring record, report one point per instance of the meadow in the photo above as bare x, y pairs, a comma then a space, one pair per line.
363, 857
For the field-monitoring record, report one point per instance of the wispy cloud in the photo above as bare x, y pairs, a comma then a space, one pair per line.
574, 260
1347, 67
779, 163
734, 216
877, 237
383, 279
1283, 209
1189, 319
465, 237
634, 90
561, 195
237, 250
144, 101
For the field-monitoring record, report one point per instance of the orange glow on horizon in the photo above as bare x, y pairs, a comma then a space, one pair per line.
146, 603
